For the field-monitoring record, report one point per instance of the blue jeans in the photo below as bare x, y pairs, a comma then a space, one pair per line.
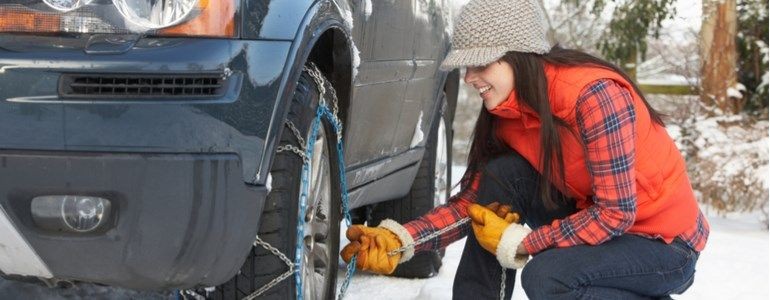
625, 267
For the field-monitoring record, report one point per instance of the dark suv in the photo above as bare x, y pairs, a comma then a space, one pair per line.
139, 139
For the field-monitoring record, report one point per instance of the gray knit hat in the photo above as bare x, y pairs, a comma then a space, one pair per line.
487, 29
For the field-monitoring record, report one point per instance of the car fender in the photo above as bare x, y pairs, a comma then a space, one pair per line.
320, 16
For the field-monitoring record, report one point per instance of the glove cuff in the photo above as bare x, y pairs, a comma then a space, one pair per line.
403, 235
506, 249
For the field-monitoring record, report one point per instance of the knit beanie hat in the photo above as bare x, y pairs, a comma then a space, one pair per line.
487, 29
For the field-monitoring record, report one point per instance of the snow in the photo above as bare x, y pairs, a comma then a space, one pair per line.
666, 79
418, 134
347, 16
734, 265
367, 8
735, 147
735, 91
356, 58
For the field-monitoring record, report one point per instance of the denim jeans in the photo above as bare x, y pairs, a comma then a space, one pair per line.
625, 267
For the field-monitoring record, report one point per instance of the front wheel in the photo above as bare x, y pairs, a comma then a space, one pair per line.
278, 227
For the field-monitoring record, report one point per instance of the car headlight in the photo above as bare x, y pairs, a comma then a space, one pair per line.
155, 14
66, 5
204, 18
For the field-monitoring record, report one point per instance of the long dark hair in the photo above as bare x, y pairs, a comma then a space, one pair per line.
532, 90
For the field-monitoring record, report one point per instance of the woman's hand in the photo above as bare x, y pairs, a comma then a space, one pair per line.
372, 245
504, 212
499, 236
489, 223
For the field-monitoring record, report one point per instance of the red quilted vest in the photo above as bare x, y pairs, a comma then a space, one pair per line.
666, 204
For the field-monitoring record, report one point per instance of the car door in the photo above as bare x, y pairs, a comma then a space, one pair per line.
424, 85
386, 66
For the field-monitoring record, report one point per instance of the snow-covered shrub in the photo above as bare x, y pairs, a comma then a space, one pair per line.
727, 159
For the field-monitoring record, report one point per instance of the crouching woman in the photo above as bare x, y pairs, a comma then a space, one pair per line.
569, 146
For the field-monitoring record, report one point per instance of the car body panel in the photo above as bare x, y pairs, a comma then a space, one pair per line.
36, 118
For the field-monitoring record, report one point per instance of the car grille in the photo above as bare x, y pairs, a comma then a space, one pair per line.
141, 86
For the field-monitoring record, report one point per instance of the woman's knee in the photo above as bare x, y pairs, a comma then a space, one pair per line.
545, 275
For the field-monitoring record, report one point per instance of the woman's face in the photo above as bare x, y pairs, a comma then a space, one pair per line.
493, 81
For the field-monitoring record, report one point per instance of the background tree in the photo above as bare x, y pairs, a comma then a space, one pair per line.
752, 53
630, 23
719, 56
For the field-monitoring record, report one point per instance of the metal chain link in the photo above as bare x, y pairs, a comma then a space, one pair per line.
294, 129
429, 237
278, 279
294, 149
321, 82
317, 76
502, 283
335, 109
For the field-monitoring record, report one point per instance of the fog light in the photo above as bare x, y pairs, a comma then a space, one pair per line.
70, 213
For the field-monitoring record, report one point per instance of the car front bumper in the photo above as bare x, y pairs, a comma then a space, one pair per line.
35, 115
179, 220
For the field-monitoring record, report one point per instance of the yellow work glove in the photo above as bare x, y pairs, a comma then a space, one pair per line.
487, 225
372, 246
499, 235
504, 212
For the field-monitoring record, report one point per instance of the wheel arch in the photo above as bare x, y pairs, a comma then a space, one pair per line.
322, 33
333, 55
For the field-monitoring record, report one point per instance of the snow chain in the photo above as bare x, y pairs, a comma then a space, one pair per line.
305, 151
429, 237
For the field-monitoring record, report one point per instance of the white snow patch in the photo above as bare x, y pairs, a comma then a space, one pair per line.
367, 8
418, 134
667, 79
347, 16
735, 91
356, 58
17, 257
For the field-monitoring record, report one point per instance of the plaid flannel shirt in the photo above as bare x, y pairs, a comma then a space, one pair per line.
610, 160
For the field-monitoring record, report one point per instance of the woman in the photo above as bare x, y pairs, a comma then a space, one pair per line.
570, 143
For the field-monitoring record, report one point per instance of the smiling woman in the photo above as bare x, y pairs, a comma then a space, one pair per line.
493, 81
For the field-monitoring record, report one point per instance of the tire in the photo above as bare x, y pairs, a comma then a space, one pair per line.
278, 225
423, 196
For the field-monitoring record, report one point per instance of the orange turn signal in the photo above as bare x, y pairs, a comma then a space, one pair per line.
214, 19
20, 19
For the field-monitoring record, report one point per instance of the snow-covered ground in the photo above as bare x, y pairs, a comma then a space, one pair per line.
734, 265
